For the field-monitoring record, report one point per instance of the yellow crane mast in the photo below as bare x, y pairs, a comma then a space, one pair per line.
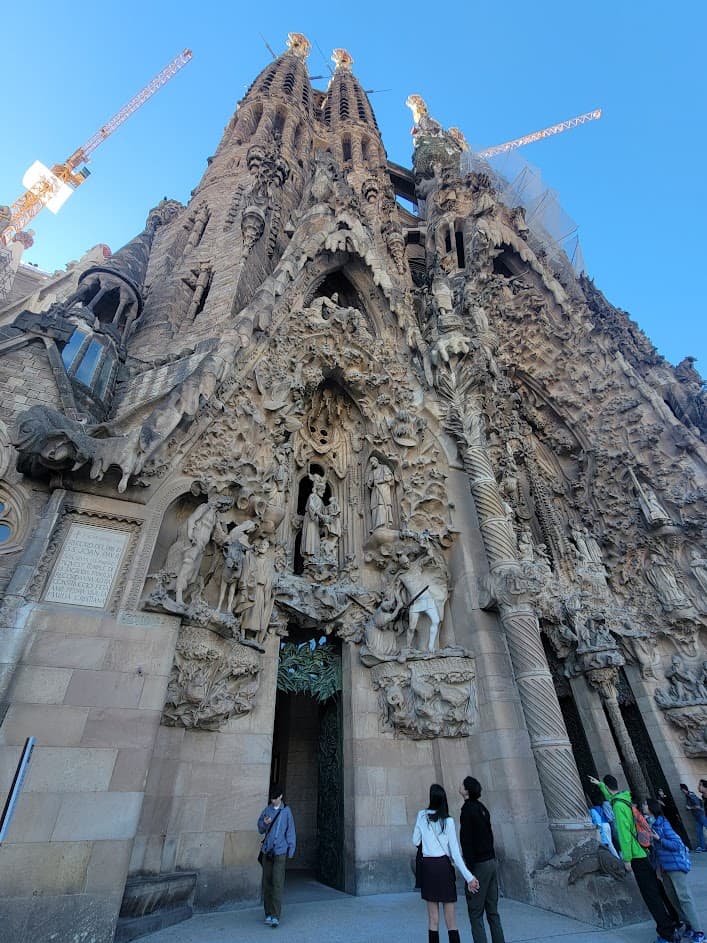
51, 188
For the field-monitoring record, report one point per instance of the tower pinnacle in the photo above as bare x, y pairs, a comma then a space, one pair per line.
298, 44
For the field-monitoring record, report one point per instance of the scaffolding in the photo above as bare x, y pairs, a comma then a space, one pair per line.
520, 183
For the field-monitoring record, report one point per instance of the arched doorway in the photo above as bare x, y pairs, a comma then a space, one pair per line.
307, 755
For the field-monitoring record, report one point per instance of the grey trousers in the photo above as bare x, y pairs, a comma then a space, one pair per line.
273, 885
485, 900
675, 884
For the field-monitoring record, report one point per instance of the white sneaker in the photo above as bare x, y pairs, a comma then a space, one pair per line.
268, 921
274, 922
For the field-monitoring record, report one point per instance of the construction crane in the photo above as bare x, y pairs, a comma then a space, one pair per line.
539, 135
51, 188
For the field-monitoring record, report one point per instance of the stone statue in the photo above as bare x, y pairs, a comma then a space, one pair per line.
638, 647
380, 481
683, 686
234, 549
313, 518
653, 511
586, 545
255, 602
661, 575
186, 553
425, 593
381, 638
525, 546
702, 681
331, 533
698, 565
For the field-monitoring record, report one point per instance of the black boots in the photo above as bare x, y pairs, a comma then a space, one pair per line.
433, 936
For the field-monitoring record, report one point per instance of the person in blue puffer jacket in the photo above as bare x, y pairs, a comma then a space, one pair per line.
669, 856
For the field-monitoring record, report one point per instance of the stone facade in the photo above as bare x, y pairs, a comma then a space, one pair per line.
465, 485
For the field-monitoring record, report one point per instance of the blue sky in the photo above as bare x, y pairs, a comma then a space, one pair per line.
632, 181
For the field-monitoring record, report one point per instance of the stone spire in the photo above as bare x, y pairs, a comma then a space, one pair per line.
278, 102
347, 113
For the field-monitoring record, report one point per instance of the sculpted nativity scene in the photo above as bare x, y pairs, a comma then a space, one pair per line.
301, 485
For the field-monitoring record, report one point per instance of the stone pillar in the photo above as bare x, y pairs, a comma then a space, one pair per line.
512, 587
552, 751
605, 682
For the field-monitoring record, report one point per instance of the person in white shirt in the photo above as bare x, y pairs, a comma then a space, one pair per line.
436, 834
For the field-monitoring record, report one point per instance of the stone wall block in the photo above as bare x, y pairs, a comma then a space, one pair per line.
98, 816
66, 651
58, 867
130, 771
200, 850
104, 689
124, 729
60, 769
34, 685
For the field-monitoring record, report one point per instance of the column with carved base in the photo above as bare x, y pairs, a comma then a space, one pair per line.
604, 680
512, 587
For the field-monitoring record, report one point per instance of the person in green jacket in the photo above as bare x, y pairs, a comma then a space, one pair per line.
636, 858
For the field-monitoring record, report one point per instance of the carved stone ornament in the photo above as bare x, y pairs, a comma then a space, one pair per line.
433, 697
684, 703
212, 680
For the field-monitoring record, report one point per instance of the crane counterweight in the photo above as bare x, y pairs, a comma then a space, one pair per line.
51, 188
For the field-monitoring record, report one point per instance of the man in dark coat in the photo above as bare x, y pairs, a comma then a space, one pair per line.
476, 840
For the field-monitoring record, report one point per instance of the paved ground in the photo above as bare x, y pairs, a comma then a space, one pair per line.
314, 914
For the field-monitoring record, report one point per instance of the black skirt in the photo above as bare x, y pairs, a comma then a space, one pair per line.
439, 880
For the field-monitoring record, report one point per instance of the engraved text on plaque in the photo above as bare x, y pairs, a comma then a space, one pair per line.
87, 566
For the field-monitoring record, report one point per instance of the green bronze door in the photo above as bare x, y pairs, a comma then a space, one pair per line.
330, 796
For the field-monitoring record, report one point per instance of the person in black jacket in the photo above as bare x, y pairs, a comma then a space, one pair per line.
476, 840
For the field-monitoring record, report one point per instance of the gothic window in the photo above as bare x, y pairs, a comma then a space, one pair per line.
71, 350
87, 368
305, 95
298, 135
346, 147
365, 151
13, 519
5, 526
343, 107
88, 361
447, 240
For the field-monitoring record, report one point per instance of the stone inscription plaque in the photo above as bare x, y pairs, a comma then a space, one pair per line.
87, 566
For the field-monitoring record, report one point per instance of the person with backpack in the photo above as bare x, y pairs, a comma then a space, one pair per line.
635, 856
670, 855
